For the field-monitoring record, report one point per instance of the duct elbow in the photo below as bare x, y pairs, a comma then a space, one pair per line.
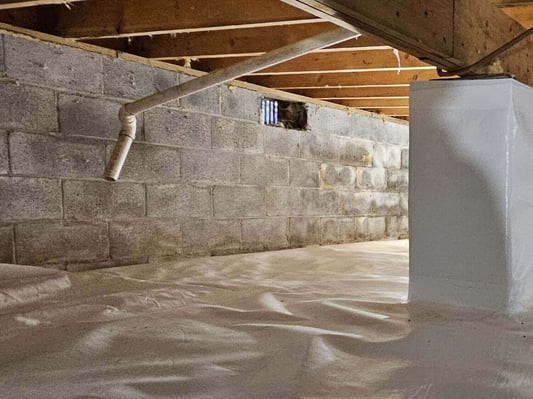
122, 146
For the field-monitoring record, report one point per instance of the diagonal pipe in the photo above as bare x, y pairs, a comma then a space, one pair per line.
129, 111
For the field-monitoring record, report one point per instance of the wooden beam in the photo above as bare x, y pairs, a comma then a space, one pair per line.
381, 103
521, 11
122, 18
389, 111
447, 33
352, 61
10, 4
231, 43
355, 93
326, 80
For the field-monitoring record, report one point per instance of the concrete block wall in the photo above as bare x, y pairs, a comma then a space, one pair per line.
204, 177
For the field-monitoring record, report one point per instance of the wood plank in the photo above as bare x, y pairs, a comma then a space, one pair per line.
227, 43
10, 4
523, 14
378, 60
361, 79
382, 103
355, 93
122, 18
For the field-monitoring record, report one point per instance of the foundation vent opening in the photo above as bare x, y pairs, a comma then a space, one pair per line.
287, 114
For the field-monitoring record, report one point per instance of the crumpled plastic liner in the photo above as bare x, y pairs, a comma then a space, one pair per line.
318, 322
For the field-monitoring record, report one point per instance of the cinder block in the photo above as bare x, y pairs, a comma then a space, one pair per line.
341, 177
150, 163
304, 231
145, 237
203, 237
370, 228
396, 133
91, 117
283, 201
27, 108
329, 231
264, 234
319, 202
281, 142
261, 171
25, 198
4, 154
212, 166
239, 202
37, 62
356, 204
319, 147
6, 244
386, 204
230, 134
102, 200
178, 200
369, 127
404, 203
47, 156
2, 58
240, 103
56, 242
355, 153
172, 127
398, 180
104, 264
304, 173
131, 80
371, 178
387, 156
405, 158
346, 229
329, 120
207, 100
397, 226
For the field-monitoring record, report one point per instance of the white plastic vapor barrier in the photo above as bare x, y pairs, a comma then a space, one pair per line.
471, 194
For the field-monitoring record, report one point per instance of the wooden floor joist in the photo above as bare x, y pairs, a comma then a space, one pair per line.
353, 93
12, 4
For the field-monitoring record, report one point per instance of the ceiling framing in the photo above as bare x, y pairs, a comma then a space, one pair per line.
207, 35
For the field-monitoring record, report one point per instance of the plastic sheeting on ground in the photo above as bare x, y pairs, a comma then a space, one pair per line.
320, 322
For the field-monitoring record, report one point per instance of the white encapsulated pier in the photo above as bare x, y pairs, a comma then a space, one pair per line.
471, 194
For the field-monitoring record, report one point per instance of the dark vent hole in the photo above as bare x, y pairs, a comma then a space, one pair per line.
287, 114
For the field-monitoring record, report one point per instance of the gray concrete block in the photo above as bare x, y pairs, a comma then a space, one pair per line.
386, 204
230, 134
370, 228
371, 178
329, 231
319, 147
405, 158
205, 237
25, 198
340, 177
329, 120
56, 242
207, 101
212, 166
27, 108
150, 163
398, 180
91, 117
239, 202
2, 58
6, 245
355, 152
304, 231
387, 156
4, 154
396, 133
397, 226
265, 234
178, 200
304, 173
369, 127
404, 203
130, 80
281, 142
76, 267
283, 201
259, 170
240, 103
102, 200
145, 237
36, 62
47, 156
182, 129
319, 202
356, 204
347, 229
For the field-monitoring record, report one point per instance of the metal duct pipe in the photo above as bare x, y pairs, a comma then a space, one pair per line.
128, 111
